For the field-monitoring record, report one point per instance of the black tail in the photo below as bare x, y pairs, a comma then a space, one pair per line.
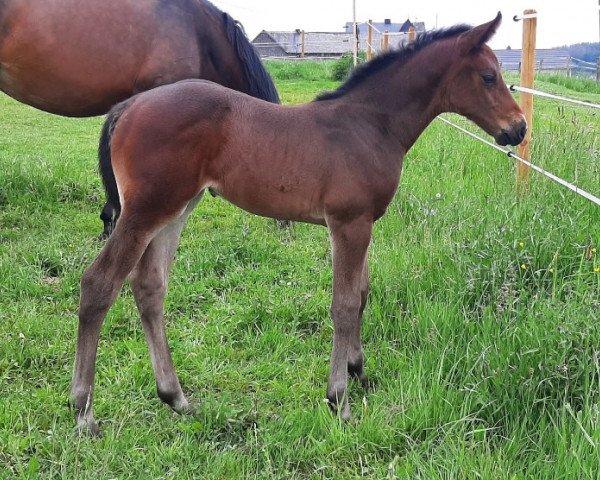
261, 83
112, 209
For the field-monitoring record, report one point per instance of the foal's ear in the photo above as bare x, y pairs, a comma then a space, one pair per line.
477, 36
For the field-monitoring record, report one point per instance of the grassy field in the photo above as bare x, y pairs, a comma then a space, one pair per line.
482, 331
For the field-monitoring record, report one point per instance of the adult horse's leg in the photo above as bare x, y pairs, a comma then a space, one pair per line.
149, 281
100, 285
355, 353
350, 242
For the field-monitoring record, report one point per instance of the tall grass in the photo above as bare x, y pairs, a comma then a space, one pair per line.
584, 85
481, 334
300, 69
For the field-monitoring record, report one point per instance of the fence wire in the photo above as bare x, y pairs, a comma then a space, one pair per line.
516, 88
510, 153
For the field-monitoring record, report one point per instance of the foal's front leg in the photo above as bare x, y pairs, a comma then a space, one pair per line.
356, 359
350, 242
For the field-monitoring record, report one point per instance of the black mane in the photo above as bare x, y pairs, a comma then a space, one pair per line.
381, 62
261, 83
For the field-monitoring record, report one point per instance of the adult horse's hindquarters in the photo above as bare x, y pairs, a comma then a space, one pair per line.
334, 162
78, 59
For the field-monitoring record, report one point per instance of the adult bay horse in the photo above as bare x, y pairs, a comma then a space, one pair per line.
334, 162
78, 59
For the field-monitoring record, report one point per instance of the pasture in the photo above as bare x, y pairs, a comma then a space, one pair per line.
481, 331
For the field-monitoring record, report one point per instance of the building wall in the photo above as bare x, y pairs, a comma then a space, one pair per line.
266, 47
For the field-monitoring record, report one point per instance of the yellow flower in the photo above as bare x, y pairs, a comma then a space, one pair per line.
524, 267
593, 250
597, 269
551, 270
521, 244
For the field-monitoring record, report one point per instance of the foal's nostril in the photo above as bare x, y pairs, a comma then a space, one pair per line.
514, 134
523, 131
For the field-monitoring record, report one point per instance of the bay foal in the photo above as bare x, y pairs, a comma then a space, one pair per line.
334, 162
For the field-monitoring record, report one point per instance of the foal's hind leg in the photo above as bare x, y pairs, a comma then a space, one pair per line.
355, 353
100, 286
149, 282
350, 242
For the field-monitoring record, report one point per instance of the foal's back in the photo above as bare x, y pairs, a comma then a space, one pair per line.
297, 163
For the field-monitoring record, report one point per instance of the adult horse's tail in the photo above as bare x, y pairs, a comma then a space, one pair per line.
261, 83
112, 208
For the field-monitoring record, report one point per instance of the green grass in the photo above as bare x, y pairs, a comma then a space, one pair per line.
314, 71
482, 330
573, 83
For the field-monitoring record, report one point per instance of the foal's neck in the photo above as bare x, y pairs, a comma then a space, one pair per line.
409, 95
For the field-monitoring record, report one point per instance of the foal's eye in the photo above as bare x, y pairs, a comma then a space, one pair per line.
489, 78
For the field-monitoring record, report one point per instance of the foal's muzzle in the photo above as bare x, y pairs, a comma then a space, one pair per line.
513, 135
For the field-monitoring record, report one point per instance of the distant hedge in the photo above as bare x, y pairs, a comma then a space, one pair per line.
344, 66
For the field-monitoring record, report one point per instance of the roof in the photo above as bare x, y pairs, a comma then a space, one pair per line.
381, 26
406, 26
550, 58
314, 42
387, 27
327, 43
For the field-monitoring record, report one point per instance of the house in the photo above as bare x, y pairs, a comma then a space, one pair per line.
386, 26
279, 44
398, 32
289, 44
555, 59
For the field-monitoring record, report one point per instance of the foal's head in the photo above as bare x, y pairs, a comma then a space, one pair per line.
477, 90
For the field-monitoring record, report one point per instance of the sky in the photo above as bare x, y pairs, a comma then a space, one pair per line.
559, 22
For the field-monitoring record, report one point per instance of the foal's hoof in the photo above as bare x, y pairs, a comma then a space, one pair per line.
357, 372
367, 385
177, 401
88, 427
185, 408
105, 235
283, 223
342, 410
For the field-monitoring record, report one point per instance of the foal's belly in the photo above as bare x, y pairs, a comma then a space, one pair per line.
270, 169
283, 200
278, 205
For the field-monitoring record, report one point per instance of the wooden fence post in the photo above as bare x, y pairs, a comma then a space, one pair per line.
370, 41
412, 34
386, 41
302, 43
598, 70
526, 103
